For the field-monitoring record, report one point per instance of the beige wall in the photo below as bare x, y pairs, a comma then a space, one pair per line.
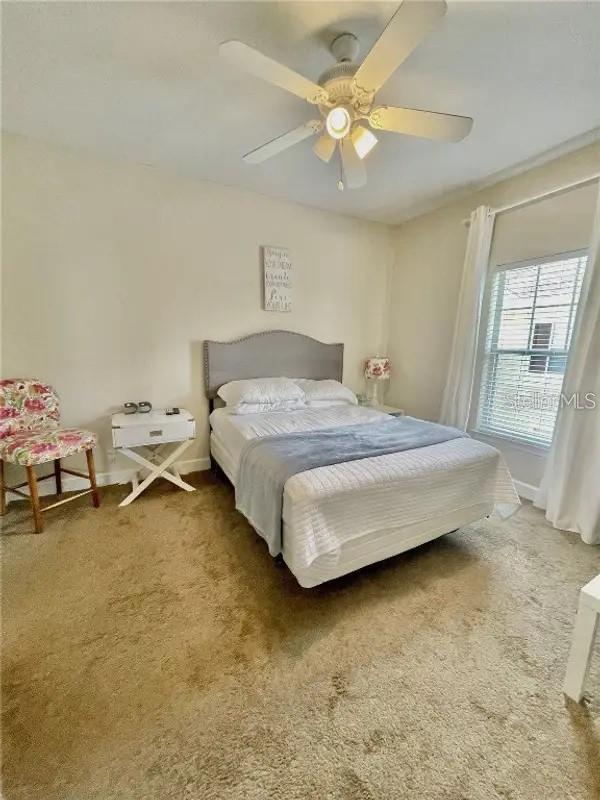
114, 274
559, 224
428, 267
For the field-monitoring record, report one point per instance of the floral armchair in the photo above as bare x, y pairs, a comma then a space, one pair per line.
30, 435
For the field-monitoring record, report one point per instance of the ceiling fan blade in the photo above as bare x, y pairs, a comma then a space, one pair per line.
254, 62
282, 142
407, 28
354, 169
427, 124
324, 147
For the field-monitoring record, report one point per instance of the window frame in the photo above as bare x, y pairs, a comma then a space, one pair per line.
484, 315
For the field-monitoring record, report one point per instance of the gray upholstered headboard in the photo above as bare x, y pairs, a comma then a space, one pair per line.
270, 354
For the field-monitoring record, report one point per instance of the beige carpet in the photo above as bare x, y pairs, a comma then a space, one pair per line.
158, 652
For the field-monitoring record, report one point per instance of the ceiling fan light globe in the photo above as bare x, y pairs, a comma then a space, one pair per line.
363, 140
338, 122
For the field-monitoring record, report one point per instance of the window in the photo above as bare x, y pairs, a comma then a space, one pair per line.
531, 311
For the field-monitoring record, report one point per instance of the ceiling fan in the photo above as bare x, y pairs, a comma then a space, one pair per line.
345, 94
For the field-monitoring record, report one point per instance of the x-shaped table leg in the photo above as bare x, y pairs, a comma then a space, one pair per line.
156, 471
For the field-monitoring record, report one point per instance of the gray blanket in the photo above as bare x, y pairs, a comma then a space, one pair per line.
267, 463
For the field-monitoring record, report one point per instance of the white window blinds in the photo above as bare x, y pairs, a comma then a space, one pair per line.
531, 311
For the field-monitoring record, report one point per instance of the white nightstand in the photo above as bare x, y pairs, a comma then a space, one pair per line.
152, 432
395, 412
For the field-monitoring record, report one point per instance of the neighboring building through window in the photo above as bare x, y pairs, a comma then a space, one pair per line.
531, 312
542, 336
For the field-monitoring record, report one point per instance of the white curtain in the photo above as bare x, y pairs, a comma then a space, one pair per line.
570, 488
456, 402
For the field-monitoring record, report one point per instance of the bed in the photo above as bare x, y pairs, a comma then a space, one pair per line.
368, 509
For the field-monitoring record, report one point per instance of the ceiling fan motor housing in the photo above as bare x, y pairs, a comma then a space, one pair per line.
339, 83
339, 79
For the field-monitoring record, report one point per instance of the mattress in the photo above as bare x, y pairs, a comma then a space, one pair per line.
375, 507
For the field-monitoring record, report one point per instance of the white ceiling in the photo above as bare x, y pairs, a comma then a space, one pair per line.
142, 81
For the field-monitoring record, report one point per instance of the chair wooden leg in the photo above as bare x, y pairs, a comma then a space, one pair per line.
89, 454
35, 500
57, 476
2, 490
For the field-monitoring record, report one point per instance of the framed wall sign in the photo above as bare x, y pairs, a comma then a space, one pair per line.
277, 278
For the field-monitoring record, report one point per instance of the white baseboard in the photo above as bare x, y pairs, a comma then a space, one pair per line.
71, 483
525, 490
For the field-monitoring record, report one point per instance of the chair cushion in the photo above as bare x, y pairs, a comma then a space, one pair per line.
46, 444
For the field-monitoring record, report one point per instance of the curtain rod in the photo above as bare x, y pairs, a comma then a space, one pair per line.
528, 200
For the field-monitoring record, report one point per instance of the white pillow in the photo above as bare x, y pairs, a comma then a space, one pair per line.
327, 403
326, 392
263, 392
262, 408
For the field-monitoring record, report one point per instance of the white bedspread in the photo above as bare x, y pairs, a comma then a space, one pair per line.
234, 430
349, 500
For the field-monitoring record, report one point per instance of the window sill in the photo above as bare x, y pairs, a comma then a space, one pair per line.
520, 444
